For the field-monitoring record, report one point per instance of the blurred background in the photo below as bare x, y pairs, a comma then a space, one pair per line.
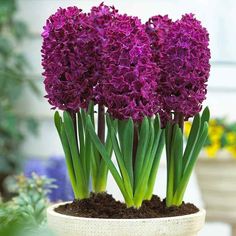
28, 139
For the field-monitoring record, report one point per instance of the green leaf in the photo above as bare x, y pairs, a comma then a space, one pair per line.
76, 158
119, 158
192, 139
168, 137
155, 165
88, 155
187, 174
204, 119
80, 127
100, 147
141, 149
69, 161
126, 135
58, 122
205, 115
101, 179
195, 133
141, 187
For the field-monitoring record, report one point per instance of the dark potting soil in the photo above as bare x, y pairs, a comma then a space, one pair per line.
103, 205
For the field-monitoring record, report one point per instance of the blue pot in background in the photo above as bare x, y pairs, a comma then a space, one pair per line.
54, 168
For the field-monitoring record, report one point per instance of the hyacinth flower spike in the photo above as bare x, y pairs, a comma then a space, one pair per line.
129, 93
71, 52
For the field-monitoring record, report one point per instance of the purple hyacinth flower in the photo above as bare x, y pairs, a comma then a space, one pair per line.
181, 50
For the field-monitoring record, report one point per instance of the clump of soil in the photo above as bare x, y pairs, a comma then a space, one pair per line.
103, 205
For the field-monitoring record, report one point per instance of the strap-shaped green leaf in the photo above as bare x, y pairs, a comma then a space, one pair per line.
88, 155
192, 139
69, 162
157, 133
91, 159
168, 137
195, 133
178, 156
126, 136
205, 118
184, 182
100, 147
142, 182
155, 166
57, 122
66, 148
77, 163
94, 161
141, 149
103, 168
198, 147
81, 139
119, 158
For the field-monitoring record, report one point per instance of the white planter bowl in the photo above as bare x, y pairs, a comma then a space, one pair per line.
217, 181
62, 225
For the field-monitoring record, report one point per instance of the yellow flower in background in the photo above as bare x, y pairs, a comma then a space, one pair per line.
215, 134
221, 135
212, 122
214, 137
187, 128
219, 130
212, 149
231, 138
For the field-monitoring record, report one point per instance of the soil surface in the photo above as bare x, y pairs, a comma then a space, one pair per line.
103, 205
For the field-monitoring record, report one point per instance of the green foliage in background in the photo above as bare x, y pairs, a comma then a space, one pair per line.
25, 214
13, 79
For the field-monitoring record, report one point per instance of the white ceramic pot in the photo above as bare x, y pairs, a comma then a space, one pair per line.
63, 225
217, 181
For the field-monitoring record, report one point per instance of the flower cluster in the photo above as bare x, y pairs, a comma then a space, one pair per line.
181, 50
129, 89
101, 18
135, 70
71, 59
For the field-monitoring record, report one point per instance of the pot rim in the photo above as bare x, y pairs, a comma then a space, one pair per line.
51, 211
